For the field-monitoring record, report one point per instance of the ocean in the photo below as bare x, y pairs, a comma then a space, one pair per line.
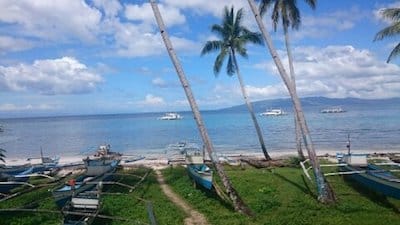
374, 129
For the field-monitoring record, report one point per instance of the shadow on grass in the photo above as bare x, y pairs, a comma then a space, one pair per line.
305, 189
373, 196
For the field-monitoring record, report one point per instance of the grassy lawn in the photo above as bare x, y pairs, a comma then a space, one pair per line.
282, 196
131, 206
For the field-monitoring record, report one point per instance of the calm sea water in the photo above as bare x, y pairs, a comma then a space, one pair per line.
370, 129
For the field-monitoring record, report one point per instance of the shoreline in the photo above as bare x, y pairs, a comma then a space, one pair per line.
156, 160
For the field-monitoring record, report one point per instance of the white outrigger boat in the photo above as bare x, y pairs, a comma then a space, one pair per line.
273, 112
171, 116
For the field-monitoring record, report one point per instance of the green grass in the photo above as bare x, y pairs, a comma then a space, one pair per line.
283, 196
131, 206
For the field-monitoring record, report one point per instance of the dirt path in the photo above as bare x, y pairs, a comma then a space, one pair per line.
194, 217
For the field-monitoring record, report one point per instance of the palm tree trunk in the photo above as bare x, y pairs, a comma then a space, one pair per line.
238, 204
250, 107
293, 79
325, 193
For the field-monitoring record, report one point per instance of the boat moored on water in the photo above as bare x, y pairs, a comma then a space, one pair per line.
273, 112
333, 110
171, 116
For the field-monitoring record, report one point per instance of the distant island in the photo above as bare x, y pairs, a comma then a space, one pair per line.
318, 103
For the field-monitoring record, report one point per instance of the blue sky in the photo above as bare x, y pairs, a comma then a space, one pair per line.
106, 56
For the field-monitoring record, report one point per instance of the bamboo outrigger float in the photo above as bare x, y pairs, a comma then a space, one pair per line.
370, 176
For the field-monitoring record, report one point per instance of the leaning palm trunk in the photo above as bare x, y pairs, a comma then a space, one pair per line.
238, 204
250, 108
325, 193
293, 79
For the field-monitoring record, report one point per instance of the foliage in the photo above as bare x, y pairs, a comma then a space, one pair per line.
392, 14
233, 38
128, 205
283, 196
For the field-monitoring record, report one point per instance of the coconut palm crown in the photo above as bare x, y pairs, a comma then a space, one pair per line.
392, 30
234, 36
286, 10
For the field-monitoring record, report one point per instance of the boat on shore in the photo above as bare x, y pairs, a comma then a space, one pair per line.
197, 169
333, 110
99, 167
83, 207
369, 175
18, 175
171, 116
273, 112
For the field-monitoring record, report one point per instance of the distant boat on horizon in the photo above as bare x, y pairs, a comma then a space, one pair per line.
333, 110
171, 116
273, 112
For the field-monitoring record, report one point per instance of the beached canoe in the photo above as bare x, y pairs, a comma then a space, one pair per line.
197, 169
371, 176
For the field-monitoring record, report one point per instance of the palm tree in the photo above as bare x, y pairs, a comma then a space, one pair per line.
392, 14
233, 38
288, 12
238, 204
325, 193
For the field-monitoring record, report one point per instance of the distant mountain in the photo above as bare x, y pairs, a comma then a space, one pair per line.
318, 103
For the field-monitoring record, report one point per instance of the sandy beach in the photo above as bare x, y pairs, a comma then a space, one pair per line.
162, 160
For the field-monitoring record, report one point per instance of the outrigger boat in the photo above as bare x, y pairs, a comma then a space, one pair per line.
98, 168
197, 169
83, 207
14, 176
370, 176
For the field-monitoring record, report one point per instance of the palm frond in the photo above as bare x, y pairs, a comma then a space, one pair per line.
391, 13
294, 17
242, 51
218, 29
311, 3
389, 31
211, 46
2, 156
395, 52
253, 37
219, 61
264, 6
230, 67
275, 15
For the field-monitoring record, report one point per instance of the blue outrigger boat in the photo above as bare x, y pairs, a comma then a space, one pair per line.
370, 176
197, 169
98, 168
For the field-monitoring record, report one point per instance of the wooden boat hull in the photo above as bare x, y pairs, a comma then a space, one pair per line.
201, 174
377, 180
63, 194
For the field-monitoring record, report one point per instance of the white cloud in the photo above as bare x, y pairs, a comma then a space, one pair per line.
12, 107
151, 101
329, 23
50, 77
159, 82
51, 20
11, 44
342, 71
143, 13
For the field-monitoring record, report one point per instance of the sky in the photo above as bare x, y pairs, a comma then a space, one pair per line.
72, 57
